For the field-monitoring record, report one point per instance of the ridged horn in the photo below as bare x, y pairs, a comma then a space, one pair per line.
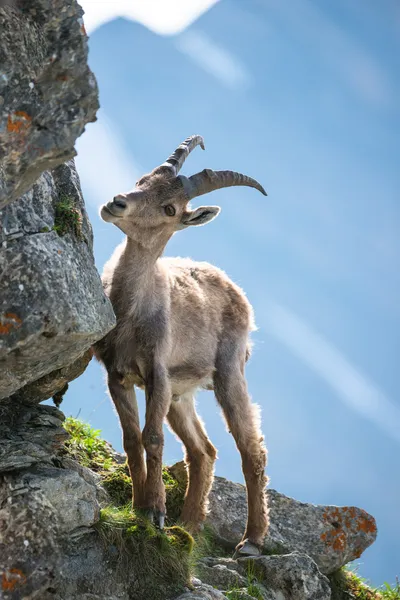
178, 157
207, 181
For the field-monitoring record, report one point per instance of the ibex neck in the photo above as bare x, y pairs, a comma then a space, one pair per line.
142, 258
139, 269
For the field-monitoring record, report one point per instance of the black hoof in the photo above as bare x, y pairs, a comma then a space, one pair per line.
246, 548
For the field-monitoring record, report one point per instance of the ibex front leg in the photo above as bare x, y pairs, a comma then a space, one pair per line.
124, 397
158, 399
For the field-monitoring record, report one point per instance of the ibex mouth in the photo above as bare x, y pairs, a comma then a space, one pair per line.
105, 212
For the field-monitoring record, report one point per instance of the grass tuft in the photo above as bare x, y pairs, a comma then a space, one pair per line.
87, 447
252, 588
162, 557
347, 584
68, 218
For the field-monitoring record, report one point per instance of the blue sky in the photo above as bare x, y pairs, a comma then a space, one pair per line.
303, 96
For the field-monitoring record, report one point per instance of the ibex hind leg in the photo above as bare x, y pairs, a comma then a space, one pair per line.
200, 457
243, 422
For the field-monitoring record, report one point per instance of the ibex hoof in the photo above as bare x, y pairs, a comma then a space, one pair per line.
161, 520
246, 548
156, 517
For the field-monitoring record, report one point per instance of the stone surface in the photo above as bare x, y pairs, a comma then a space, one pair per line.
220, 576
202, 591
52, 305
289, 577
47, 91
71, 496
331, 535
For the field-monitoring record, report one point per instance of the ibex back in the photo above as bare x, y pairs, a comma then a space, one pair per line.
181, 325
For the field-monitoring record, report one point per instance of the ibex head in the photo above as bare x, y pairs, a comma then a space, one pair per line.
159, 204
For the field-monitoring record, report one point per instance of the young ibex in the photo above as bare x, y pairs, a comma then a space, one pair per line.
181, 325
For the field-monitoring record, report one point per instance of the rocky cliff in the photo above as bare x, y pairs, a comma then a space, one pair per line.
65, 530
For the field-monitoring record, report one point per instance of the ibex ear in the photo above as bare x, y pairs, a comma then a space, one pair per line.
199, 216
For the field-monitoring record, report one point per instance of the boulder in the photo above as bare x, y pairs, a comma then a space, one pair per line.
52, 305
222, 575
47, 91
289, 577
331, 535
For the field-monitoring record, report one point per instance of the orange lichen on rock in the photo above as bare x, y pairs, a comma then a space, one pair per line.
11, 578
18, 122
339, 541
366, 523
343, 522
9, 321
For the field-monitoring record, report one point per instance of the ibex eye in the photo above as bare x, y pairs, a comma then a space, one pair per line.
169, 210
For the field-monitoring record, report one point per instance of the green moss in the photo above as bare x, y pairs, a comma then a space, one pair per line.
118, 485
68, 218
175, 493
180, 538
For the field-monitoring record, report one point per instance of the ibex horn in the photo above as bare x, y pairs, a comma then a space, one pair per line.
207, 181
178, 157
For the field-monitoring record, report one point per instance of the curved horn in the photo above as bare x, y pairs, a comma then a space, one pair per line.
178, 157
207, 181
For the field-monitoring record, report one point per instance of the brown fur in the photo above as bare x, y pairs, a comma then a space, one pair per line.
181, 325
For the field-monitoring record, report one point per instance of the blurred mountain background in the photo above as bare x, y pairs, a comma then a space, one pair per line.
304, 97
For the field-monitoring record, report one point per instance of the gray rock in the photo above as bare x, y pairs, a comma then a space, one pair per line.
212, 561
331, 535
243, 594
220, 576
52, 305
47, 91
73, 499
90, 477
289, 577
29, 552
202, 592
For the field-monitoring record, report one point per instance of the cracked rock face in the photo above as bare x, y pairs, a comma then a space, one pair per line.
47, 91
52, 305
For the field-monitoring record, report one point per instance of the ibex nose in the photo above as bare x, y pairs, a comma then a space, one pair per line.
120, 202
